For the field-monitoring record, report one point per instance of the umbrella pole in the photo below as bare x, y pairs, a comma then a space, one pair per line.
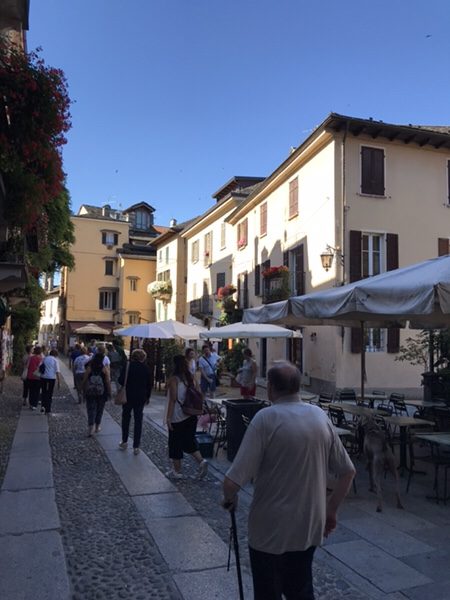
363, 361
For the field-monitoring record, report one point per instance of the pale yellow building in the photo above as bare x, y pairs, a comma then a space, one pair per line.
378, 196
114, 263
210, 246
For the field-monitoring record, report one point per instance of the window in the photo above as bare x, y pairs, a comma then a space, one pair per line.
220, 280
257, 280
208, 249
195, 251
164, 275
263, 219
294, 260
160, 256
194, 290
374, 339
372, 254
133, 284
443, 246
167, 255
133, 319
242, 290
108, 300
109, 238
293, 198
372, 171
223, 230
51, 308
109, 267
242, 234
142, 219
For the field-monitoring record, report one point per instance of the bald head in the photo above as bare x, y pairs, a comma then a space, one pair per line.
283, 379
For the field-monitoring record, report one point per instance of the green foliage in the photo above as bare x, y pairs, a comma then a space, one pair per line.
416, 350
234, 358
169, 349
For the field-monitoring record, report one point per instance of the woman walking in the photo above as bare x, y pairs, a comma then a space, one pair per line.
247, 375
48, 379
96, 390
34, 377
181, 427
139, 386
25, 389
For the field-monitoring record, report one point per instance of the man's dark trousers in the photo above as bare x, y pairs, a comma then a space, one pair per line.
276, 574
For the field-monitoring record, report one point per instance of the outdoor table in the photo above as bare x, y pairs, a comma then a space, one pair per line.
307, 396
438, 438
425, 403
372, 397
402, 422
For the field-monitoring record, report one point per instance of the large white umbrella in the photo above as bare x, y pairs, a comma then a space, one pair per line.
418, 294
164, 330
249, 330
92, 328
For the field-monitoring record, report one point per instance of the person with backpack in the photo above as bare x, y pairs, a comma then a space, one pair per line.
96, 390
182, 426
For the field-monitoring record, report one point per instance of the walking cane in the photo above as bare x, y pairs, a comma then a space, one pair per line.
234, 537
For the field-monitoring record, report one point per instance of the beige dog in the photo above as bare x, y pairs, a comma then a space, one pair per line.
379, 457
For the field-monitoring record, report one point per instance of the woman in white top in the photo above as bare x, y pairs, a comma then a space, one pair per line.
50, 374
189, 354
181, 427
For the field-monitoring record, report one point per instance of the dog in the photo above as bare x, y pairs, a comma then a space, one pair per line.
379, 457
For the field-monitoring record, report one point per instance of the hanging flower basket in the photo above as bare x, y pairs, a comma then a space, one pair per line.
225, 291
273, 272
160, 290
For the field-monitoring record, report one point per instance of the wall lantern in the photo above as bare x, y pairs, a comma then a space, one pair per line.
327, 257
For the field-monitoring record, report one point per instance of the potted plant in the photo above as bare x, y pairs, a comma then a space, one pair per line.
160, 290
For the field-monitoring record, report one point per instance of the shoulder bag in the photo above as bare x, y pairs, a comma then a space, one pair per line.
121, 396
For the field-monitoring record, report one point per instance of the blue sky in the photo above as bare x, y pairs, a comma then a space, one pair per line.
174, 97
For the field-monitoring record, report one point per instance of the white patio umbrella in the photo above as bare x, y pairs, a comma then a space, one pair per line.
249, 330
92, 328
164, 330
418, 294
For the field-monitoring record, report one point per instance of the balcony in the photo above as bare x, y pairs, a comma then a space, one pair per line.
275, 290
201, 307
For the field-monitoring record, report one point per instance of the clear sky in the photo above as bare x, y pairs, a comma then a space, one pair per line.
174, 97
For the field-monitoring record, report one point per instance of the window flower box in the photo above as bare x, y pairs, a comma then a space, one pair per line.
242, 242
160, 290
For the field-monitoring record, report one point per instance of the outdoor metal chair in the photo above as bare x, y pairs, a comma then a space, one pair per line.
437, 459
324, 399
220, 435
338, 418
345, 395
398, 404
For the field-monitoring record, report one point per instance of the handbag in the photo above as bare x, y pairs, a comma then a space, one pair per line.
121, 395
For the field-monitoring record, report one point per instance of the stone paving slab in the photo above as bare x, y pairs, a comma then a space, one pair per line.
388, 538
31, 444
217, 584
174, 538
138, 474
32, 423
400, 519
434, 591
382, 570
110, 441
26, 472
438, 537
163, 505
24, 573
435, 565
28, 511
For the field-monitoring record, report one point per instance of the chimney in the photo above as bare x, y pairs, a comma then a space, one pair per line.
173, 223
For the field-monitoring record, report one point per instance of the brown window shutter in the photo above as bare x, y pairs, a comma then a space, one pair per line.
443, 246
286, 258
355, 256
299, 271
257, 280
391, 251
356, 340
393, 340
263, 219
246, 230
245, 290
293, 198
372, 171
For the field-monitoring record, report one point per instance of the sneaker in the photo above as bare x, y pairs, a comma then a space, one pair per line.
136, 451
97, 428
90, 431
42, 411
123, 445
202, 469
171, 474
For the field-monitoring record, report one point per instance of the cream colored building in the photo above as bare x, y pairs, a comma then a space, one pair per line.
210, 245
114, 263
379, 196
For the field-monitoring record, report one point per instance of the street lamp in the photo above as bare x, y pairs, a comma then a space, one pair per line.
327, 257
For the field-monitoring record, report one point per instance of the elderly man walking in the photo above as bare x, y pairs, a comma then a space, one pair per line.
288, 451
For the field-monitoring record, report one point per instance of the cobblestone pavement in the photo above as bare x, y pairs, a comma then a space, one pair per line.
205, 496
